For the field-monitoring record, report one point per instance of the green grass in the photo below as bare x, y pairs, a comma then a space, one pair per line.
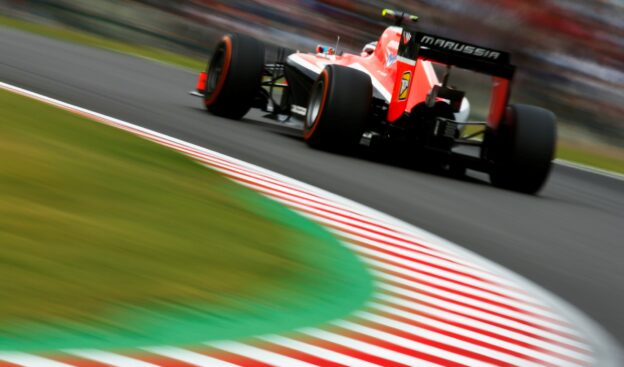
591, 154
599, 156
108, 240
71, 35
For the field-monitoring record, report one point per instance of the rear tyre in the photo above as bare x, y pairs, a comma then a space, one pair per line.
523, 148
234, 76
338, 108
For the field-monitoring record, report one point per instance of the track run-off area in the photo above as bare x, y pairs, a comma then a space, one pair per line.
434, 304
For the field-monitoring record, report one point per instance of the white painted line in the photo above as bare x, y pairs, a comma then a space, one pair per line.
432, 335
590, 169
421, 310
425, 255
116, 360
533, 329
368, 348
399, 240
412, 272
259, 354
444, 268
189, 357
317, 351
29, 360
471, 301
412, 345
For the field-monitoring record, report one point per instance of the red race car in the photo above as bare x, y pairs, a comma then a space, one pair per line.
390, 95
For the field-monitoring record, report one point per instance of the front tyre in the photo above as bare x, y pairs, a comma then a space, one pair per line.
234, 76
338, 108
522, 149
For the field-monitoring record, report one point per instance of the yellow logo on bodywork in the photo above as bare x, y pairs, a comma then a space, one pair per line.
405, 83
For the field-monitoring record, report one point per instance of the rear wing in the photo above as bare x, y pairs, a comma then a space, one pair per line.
448, 51
422, 46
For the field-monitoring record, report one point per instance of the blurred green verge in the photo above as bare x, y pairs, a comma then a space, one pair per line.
593, 154
72, 35
600, 156
111, 241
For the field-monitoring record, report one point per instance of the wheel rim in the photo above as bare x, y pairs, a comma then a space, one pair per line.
215, 70
316, 101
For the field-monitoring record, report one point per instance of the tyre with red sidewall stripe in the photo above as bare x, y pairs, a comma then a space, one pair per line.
523, 148
234, 76
338, 108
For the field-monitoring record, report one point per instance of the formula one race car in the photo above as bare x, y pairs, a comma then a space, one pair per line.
389, 95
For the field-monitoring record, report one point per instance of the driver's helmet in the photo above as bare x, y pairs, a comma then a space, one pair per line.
369, 48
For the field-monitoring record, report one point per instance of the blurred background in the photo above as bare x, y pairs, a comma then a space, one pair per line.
570, 53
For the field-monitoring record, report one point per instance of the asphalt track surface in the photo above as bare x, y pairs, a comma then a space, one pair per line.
569, 239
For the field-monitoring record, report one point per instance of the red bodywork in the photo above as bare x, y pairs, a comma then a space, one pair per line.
385, 70
401, 82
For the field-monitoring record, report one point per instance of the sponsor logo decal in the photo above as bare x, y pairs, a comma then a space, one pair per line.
298, 110
406, 37
406, 78
392, 58
460, 47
